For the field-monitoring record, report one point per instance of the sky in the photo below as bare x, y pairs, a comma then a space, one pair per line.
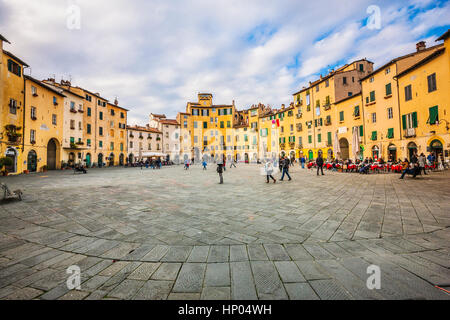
157, 55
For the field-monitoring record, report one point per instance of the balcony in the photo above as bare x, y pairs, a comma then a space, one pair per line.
328, 123
299, 128
292, 145
327, 107
410, 132
299, 115
73, 110
300, 146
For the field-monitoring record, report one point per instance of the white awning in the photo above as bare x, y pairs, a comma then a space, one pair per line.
153, 154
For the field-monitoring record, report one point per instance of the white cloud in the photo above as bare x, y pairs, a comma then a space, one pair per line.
157, 55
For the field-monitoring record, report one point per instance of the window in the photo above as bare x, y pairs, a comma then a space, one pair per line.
100, 131
408, 93
88, 142
33, 91
344, 80
361, 131
88, 98
390, 133
205, 112
319, 137
72, 140
205, 125
372, 79
185, 124
374, 136
309, 139
356, 112
361, 67
228, 124
122, 115
374, 117
350, 93
317, 88
388, 70
89, 112
409, 120
33, 113
195, 112
390, 113
111, 147
222, 125
14, 68
434, 115
329, 138
72, 106
131, 144
55, 101
388, 89
327, 83
372, 96
112, 112
88, 128
101, 115
54, 119
341, 116
432, 82
195, 124
308, 102
80, 126
72, 124
32, 136
12, 106
100, 144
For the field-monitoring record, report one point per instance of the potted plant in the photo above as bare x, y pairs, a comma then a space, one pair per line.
5, 162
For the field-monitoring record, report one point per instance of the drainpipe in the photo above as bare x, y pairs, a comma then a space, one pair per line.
398, 100
23, 111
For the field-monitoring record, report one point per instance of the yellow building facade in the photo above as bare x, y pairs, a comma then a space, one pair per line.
43, 126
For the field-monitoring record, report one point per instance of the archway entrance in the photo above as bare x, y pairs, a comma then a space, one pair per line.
246, 157
111, 159
375, 153
100, 160
51, 155
392, 152
412, 149
436, 147
71, 159
88, 160
12, 154
32, 161
329, 154
130, 158
343, 145
121, 159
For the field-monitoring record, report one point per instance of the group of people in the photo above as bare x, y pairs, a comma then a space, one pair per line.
153, 163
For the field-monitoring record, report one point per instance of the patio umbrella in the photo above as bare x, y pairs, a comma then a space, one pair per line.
355, 142
336, 147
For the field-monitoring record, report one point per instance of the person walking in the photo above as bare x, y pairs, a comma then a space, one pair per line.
220, 170
422, 161
233, 163
285, 167
268, 167
280, 163
405, 168
302, 162
319, 163
204, 163
224, 163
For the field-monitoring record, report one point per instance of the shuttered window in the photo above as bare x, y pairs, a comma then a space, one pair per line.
434, 116
341, 116
309, 139
372, 96
361, 131
374, 135
329, 138
319, 137
390, 133
388, 89
408, 93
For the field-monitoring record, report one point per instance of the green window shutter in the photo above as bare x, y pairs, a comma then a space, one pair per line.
341, 116
284, 140
315, 122
361, 131
72, 140
309, 139
390, 133
293, 139
433, 115
388, 89
329, 137
320, 121
404, 122
280, 140
372, 96
374, 135
319, 137
414, 119
367, 99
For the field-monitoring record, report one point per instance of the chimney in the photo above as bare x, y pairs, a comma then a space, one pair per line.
116, 102
421, 46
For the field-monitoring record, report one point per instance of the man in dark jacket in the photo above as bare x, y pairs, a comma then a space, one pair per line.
319, 162
285, 163
220, 171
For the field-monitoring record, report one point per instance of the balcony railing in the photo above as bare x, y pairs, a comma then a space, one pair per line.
410, 132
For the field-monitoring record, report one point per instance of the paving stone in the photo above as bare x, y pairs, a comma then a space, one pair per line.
126, 289
167, 271
256, 252
218, 254
300, 291
154, 290
267, 281
190, 278
242, 282
276, 252
183, 296
144, 271
215, 293
329, 289
311, 270
238, 253
74, 295
24, 294
217, 275
199, 254
289, 272
177, 254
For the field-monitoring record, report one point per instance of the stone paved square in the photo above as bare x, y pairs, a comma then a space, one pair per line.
178, 234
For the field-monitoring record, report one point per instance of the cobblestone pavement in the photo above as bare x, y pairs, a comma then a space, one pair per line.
176, 234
